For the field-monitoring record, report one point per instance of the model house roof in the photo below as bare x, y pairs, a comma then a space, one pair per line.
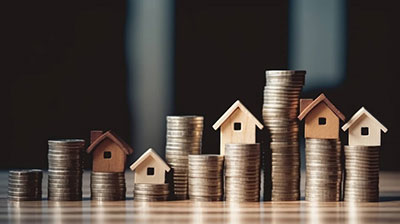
228, 113
321, 98
359, 114
150, 153
113, 137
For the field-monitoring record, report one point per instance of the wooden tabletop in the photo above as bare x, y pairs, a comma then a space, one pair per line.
385, 211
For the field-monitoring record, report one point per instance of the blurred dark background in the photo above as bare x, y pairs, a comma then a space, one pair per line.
66, 71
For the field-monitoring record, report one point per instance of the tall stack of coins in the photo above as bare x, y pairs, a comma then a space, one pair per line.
323, 169
106, 186
361, 173
205, 177
65, 169
150, 192
184, 135
280, 109
25, 185
242, 172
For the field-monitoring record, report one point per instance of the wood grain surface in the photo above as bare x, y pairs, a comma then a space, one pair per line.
129, 211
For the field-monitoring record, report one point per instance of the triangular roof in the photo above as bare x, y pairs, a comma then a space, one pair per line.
355, 118
230, 111
318, 100
113, 137
150, 153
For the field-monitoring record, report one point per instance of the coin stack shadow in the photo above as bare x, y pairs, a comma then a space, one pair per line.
107, 186
323, 169
205, 177
361, 173
65, 169
280, 109
25, 185
242, 172
184, 136
150, 192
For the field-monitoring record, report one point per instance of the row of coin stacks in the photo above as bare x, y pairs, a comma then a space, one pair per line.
234, 175
324, 172
107, 181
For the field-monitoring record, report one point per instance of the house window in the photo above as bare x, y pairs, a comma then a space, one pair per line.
365, 131
107, 155
237, 126
150, 171
322, 121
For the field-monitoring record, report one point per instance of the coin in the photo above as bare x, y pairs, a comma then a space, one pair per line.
107, 186
65, 169
323, 170
280, 110
361, 182
242, 172
25, 185
151, 192
183, 138
205, 177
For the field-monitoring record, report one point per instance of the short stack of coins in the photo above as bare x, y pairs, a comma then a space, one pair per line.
361, 173
65, 169
205, 177
25, 185
242, 172
184, 136
150, 192
107, 186
323, 169
280, 109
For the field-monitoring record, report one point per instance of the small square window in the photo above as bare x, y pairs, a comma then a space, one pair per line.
150, 171
237, 126
322, 121
364, 131
107, 155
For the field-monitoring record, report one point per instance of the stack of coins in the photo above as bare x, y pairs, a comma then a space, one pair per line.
65, 169
361, 173
205, 177
25, 185
106, 186
323, 170
242, 172
184, 135
150, 192
280, 109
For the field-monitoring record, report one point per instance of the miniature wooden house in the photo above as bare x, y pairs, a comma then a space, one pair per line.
150, 168
364, 129
109, 152
237, 125
321, 118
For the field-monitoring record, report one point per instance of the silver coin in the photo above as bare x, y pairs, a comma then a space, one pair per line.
25, 198
158, 186
66, 141
205, 198
68, 198
103, 195
206, 157
29, 172
111, 198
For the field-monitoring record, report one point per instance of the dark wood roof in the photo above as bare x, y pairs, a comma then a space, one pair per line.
113, 137
318, 100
